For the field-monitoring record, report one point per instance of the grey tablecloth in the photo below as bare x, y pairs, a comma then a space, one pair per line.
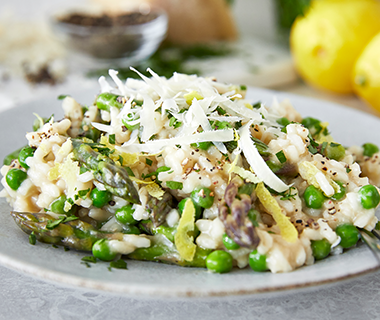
24, 297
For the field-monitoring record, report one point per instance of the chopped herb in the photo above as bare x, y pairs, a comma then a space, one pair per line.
121, 160
52, 224
271, 232
62, 96
348, 170
261, 147
91, 259
86, 264
281, 156
118, 264
148, 161
129, 171
221, 111
83, 170
112, 139
32, 238
257, 105
243, 87
287, 195
155, 173
172, 121
174, 185
82, 194
323, 146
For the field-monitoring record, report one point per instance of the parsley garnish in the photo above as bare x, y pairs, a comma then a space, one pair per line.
112, 139
287, 195
174, 185
91, 259
52, 224
129, 171
62, 96
32, 238
148, 161
118, 264
281, 156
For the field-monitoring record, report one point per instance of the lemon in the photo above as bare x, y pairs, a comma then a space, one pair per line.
326, 42
366, 74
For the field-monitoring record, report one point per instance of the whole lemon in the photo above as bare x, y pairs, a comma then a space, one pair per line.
366, 73
326, 42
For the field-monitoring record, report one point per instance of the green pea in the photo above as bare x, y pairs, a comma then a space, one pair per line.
369, 196
102, 251
107, 100
100, 197
369, 149
131, 229
125, 215
15, 177
229, 243
335, 151
58, 205
257, 261
202, 145
313, 197
321, 248
198, 209
24, 154
341, 193
219, 261
203, 197
348, 234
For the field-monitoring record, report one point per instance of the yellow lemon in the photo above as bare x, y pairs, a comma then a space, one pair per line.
366, 73
326, 42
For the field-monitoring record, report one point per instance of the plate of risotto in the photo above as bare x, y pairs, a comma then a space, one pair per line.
187, 187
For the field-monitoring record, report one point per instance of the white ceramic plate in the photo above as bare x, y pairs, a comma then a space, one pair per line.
158, 280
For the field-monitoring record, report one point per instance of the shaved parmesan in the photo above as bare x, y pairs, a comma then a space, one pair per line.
257, 163
157, 145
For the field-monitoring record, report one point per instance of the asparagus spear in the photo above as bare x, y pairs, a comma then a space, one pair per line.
75, 234
233, 212
159, 209
115, 178
165, 251
80, 235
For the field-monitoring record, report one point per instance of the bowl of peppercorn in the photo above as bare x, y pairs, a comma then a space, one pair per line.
96, 39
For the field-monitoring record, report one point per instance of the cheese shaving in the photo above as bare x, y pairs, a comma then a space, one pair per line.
260, 168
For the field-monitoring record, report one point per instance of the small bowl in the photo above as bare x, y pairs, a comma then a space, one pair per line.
98, 39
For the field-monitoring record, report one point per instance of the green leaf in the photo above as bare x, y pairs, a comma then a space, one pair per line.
281, 156
91, 259
62, 96
112, 139
32, 238
174, 185
148, 161
118, 264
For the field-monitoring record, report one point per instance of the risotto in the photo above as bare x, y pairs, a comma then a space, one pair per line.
186, 171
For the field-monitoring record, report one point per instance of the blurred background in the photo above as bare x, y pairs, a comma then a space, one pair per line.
51, 46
